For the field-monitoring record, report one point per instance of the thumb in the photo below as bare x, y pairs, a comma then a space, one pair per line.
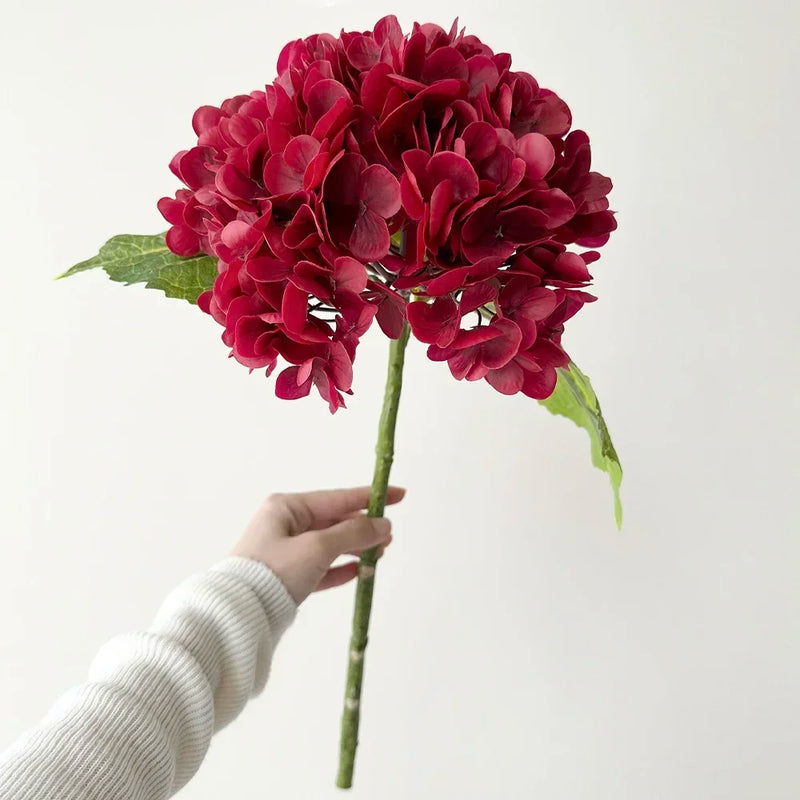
358, 533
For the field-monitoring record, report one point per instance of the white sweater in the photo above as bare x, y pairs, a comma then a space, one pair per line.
139, 728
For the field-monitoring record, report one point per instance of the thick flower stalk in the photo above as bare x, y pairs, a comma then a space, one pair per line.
384, 456
303, 193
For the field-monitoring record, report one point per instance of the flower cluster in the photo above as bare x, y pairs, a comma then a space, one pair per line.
379, 169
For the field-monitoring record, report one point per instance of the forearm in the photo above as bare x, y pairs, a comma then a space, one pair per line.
139, 728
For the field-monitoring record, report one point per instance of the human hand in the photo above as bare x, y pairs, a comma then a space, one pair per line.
298, 536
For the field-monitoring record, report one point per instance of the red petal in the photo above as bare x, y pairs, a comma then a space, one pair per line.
408, 84
476, 296
280, 178
171, 210
501, 350
434, 323
375, 88
300, 152
533, 302
415, 163
488, 248
350, 275
304, 230
331, 121
537, 153
388, 30
571, 267
287, 387
305, 369
294, 308
363, 52
277, 136
380, 190
235, 186
441, 353
480, 141
411, 197
192, 167
444, 284
204, 301
370, 238
456, 168
342, 183
316, 170
539, 385
461, 363
507, 379
313, 278
204, 118
183, 241
408, 281
475, 337
597, 186
548, 354
482, 74
391, 310
328, 392
445, 63
356, 314
267, 269
323, 96
390, 319
415, 238
554, 115
239, 236
558, 207
241, 129
520, 224
340, 368
251, 345
441, 201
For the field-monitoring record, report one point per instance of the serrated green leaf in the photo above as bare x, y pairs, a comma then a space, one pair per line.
575, 399
129, 258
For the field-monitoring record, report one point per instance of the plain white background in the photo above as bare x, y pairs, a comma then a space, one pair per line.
520, 646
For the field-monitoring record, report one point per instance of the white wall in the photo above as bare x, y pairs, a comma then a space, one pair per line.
521, 647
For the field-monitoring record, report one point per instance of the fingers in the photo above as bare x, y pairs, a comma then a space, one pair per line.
303, 511
381, 549
338, 576
355, 535
344, 573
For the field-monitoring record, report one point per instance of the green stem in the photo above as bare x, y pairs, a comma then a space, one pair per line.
384, 455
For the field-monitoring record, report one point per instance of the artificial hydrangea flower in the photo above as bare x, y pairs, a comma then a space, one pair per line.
380, 168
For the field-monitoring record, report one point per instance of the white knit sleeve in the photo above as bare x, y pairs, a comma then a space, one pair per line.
140, 726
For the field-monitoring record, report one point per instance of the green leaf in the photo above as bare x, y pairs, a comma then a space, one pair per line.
129, 258
575, 399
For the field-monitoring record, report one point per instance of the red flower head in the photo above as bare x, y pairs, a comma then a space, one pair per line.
380, 165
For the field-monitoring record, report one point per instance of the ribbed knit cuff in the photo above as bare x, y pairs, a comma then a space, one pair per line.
278, 604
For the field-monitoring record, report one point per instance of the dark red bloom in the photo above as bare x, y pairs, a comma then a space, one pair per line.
380, 167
